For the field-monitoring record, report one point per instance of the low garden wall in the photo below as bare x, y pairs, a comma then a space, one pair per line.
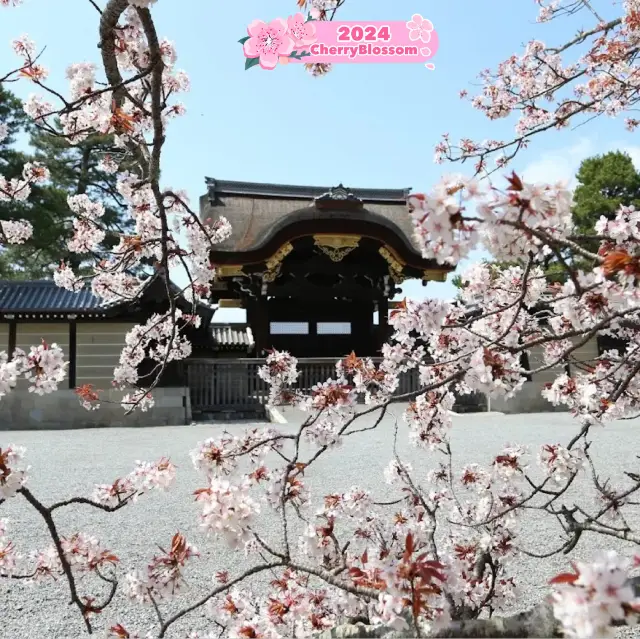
527, 400
22, 410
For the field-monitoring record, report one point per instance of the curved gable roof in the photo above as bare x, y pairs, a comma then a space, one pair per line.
257, 212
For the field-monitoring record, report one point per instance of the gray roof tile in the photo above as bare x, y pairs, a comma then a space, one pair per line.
232, 335
257, 211
230, 187
44, 295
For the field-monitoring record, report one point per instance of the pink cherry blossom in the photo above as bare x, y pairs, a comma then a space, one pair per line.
13, 475
420, 28
587, 602
268, 42
319, 8
303, 33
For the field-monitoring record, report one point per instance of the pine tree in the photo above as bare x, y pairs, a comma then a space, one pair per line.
74, 170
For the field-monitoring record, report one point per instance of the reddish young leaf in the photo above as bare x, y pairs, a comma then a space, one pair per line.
564, 578
409, 547
515, 183
119, 631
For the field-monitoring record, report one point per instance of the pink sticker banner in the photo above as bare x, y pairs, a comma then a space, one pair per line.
326, 42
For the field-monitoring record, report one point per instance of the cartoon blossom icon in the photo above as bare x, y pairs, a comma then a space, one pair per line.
268, 42
303, 33
419, 28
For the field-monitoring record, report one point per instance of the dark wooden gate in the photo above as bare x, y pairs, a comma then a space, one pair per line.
219, 386
222, 386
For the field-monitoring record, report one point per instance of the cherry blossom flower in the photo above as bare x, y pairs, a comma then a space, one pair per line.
213, 457
303, 33
319, 8
24, 46
12, 475
108, 164
588, 601
228, 510
268, 42
560, 463
9, 556
318, 69
16, 232
396, 473
164, 574
420, 28
145, 477
120, 632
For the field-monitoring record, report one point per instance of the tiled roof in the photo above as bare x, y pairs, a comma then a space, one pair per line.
272, 207
232, 336
229, 187
44, 295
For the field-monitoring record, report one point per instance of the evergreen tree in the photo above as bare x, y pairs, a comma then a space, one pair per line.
74, 170
604, 183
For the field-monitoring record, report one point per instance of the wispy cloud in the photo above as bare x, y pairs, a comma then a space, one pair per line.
562, 164
559, 165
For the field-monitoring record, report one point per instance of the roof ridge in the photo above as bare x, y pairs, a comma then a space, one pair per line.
26, 282
303, 191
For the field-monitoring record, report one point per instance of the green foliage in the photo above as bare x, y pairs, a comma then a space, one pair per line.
74, 170
605, 182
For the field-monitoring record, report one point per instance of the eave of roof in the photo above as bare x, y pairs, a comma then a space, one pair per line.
232, 336
45, 297
280, 191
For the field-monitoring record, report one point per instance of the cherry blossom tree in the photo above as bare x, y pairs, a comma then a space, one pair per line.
444, 560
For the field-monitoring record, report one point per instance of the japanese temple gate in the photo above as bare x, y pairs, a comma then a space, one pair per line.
311, 266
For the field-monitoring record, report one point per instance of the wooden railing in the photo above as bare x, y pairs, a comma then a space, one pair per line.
233, 384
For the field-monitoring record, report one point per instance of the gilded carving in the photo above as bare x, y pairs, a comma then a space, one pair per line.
229, 303
434, 275
274, 264
336, 247
395, 266
272, 274
279, 255
229, 271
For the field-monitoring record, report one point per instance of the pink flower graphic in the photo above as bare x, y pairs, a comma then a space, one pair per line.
268, 42
303, 33
419, 28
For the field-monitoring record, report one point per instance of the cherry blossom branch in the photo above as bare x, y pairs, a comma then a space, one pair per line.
216, 591
45, 513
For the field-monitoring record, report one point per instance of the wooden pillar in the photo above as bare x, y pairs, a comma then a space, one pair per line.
73, 341
13, 337
258, 320
383, 321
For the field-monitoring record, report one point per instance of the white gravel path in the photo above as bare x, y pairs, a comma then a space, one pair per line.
69, 463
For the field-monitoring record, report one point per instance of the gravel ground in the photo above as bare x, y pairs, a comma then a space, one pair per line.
68, 463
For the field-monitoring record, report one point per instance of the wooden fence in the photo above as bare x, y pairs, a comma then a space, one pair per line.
220, 385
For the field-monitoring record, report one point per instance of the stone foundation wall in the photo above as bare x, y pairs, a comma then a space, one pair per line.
61, 410
527, 400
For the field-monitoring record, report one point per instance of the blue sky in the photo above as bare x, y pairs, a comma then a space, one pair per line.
362, 125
